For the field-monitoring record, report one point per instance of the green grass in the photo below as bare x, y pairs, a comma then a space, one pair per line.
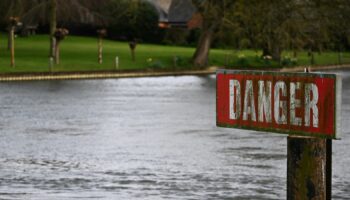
80, 54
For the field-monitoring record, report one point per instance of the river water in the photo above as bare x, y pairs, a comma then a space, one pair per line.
146, 138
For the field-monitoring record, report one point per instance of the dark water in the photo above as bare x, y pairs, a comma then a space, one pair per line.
148, 138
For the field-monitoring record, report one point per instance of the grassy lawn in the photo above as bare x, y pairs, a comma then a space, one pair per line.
80, 54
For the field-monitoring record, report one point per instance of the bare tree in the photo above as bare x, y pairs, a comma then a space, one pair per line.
60, 34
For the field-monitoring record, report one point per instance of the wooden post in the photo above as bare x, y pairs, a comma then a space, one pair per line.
12, 50
57, 52
101, 33
308, 168
100, 60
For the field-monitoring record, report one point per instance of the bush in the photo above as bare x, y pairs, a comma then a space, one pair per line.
129, 24
242, 60
176, 36
267, 60
181, 62
155, 64
287, 61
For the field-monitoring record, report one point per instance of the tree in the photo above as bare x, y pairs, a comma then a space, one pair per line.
274, 25
53, 26
134, 19
270, 25
213, 13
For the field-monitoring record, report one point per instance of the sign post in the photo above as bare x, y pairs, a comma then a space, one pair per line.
309, 168
306, 106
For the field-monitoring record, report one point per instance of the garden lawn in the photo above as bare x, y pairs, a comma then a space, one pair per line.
80, 54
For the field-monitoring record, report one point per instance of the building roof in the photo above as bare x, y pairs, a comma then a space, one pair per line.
174, 11
162, 7
181, 11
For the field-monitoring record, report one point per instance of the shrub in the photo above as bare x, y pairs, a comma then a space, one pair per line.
155, 64
242, 60
287, 61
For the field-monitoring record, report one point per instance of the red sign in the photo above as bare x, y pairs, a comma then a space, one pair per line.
293, 103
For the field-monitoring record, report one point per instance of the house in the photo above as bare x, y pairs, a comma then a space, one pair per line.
177, 14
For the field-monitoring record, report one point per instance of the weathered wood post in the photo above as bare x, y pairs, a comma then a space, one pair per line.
60, 34
14, 21
101, 34
309, 167
12, 47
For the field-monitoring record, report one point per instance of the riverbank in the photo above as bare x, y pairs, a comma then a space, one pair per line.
98, 75
42, 76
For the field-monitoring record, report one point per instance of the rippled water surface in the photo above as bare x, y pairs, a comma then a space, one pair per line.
147, 138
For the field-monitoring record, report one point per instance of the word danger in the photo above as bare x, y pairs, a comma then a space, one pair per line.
263, 112
293, 103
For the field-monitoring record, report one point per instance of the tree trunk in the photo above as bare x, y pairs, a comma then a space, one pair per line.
266, 51
276, 53
53, 25
272, 50
201, 56
133, 55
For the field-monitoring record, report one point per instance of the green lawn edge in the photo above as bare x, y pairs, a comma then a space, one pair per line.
79, 54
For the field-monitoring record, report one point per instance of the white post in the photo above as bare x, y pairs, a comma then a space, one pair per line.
51, 63
116, 62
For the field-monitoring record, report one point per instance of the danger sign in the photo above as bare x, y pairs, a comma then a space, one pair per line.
292, 103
